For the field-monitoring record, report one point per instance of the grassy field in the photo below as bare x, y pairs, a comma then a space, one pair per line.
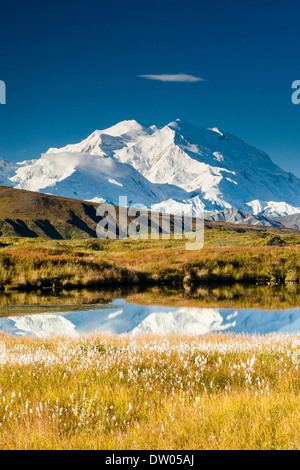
169, 392
228, 256
49, 242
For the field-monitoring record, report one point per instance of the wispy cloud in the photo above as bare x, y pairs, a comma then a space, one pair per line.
177, 77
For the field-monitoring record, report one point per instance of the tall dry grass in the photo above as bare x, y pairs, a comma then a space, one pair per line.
169, 392
35, 265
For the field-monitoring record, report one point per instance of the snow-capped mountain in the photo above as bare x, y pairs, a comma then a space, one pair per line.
172, 168
6, 170
89, 177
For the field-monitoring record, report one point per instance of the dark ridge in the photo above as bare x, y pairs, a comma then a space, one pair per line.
91, 212
79, 223
48, 229
59, 218
21, 228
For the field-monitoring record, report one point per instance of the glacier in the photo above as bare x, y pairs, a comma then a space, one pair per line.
174, 168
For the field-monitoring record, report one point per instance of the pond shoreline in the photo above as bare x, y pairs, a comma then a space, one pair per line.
235, 295
57, 287
36, 265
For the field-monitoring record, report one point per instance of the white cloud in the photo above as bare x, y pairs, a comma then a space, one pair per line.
177, 77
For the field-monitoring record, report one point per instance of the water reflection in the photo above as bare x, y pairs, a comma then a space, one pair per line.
120, 316
234, 296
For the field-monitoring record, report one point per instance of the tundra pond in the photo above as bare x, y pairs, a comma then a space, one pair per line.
151, 311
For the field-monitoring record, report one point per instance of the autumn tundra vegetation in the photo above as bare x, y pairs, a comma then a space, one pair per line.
168, 392
35, 263
218, 391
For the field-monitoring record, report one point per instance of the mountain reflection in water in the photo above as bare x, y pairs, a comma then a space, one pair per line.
120, 316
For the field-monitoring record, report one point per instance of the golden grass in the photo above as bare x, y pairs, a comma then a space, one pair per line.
168, 392
30, 264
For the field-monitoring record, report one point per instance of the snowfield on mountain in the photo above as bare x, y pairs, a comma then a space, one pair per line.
175, 168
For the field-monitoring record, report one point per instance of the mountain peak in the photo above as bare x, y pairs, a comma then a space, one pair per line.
123, 127
217, 130
175, 166
178, 123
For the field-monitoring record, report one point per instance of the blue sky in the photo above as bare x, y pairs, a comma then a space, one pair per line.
73, 67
